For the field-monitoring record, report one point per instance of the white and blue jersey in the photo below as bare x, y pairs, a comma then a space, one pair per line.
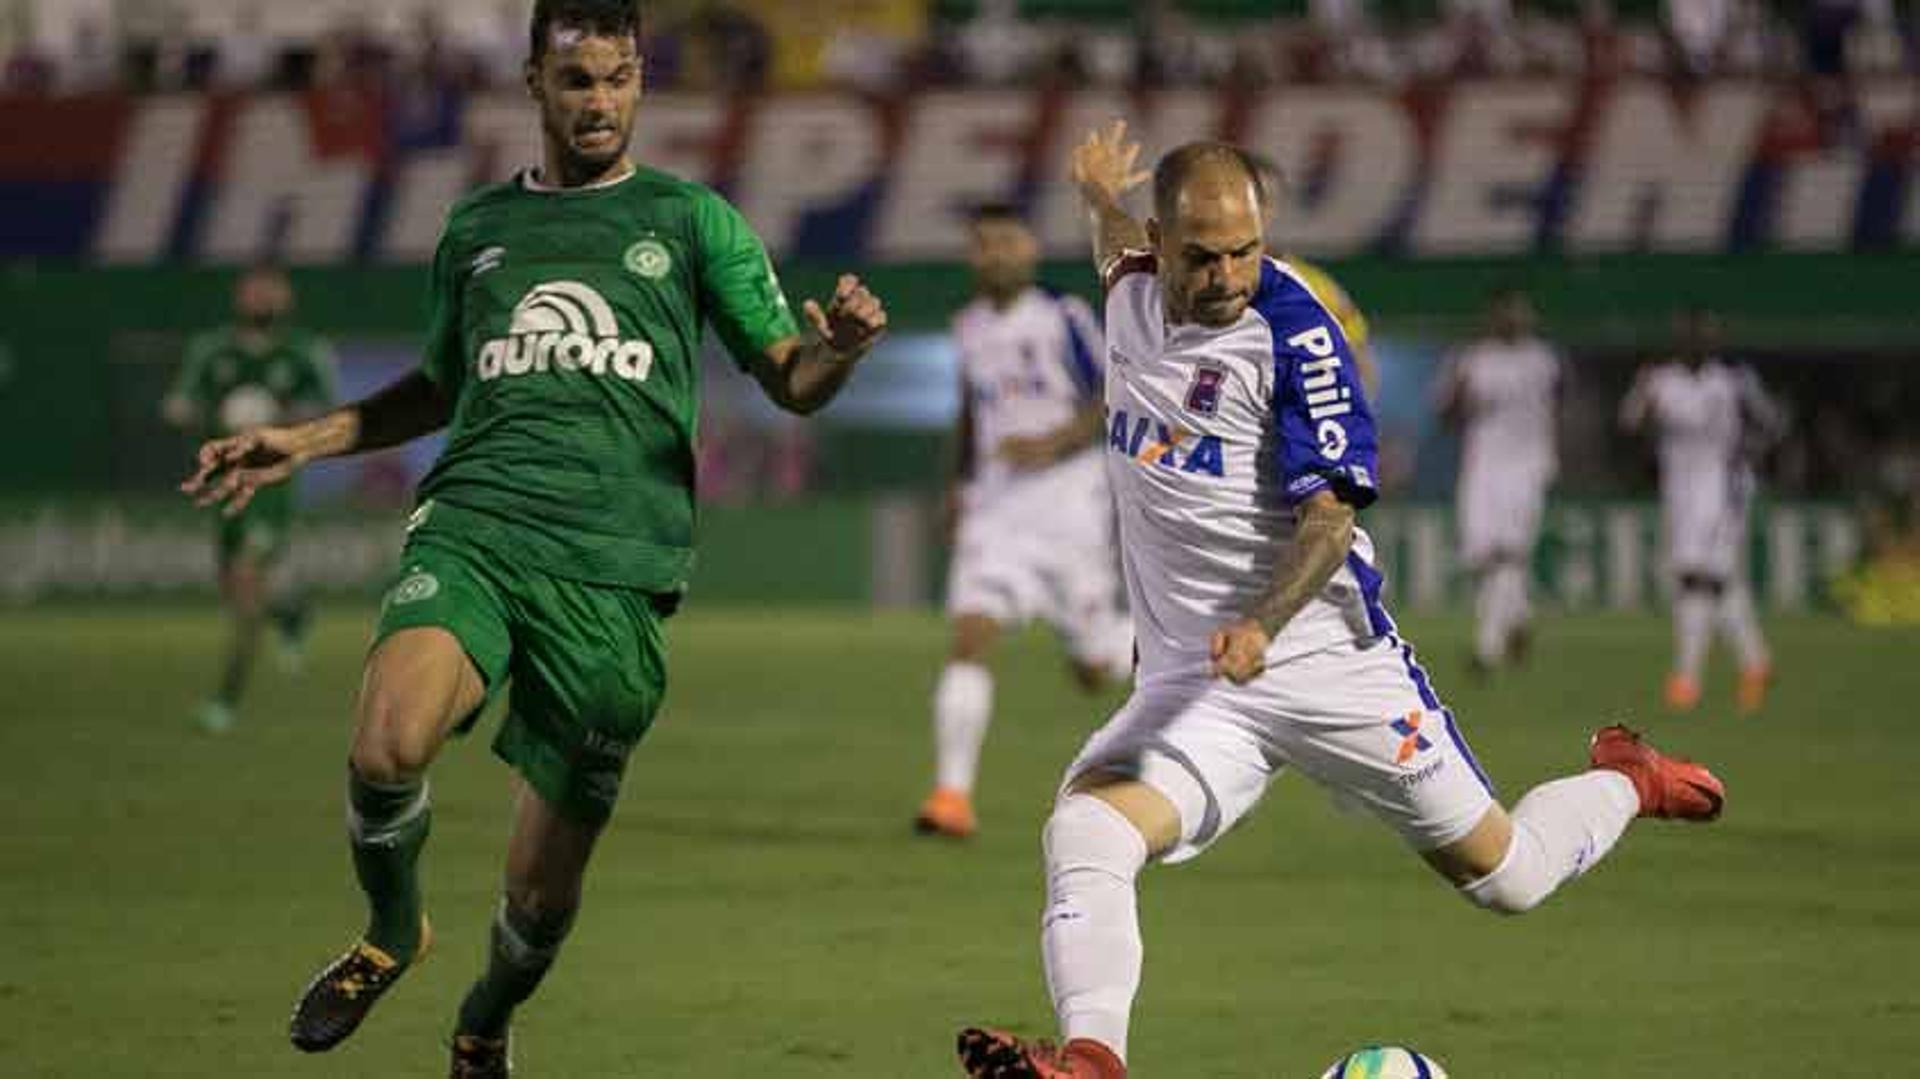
1036, 543
1214, 435
1027, 369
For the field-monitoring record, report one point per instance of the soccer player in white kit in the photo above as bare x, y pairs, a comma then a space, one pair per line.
1503, 392
1709, 420
1033, 522
1239, 448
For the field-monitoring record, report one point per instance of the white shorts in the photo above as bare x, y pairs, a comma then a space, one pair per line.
1705, 526
1499, 513
1359, 718
1073, 587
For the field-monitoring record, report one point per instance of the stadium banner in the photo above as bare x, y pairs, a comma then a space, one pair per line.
1503, 167
881, 551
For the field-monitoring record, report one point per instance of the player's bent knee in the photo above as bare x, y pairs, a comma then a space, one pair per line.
1086, 834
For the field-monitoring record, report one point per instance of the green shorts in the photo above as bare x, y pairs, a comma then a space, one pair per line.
585, 664
260, 536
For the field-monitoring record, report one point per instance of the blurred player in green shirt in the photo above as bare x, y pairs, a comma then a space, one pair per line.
555, 533
254, 372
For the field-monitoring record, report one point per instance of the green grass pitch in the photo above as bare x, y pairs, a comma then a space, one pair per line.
760, 909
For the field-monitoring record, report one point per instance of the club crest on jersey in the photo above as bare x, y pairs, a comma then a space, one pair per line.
564, 325
649, 258
1152, 443
1203, 393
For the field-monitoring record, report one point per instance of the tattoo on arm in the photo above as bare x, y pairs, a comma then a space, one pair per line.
1115, 232
1322, 536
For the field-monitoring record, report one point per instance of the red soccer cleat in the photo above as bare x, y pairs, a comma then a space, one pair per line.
995, 1054
1682, 693
1668, 786
1752, 693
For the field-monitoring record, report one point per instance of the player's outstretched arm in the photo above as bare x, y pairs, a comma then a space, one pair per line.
804, 372
1103, 168
230, 471
1322, 536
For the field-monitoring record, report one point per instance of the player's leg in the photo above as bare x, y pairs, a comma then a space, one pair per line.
546, 863
289, 607
243, 592
1695, 597
441, 642
1087, 608
987, 586
1162, 780
962, 712
1741, 626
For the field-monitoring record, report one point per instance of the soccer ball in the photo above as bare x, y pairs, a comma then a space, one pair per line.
246, 408
1384, 1062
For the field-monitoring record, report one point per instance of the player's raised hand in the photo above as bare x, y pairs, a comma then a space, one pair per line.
229, 471
852, 320
1103, 164
1239, 651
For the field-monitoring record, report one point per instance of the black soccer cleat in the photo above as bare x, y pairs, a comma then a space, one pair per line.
480, 1058
340, 996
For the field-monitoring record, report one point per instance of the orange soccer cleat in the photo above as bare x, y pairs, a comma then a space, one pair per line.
995, 1054
1751, 696
946, 812
1683, 693
1668, 786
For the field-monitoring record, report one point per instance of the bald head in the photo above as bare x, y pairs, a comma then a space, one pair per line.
1204, 170
1209, 231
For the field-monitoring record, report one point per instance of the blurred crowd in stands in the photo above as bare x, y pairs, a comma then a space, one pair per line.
884, 46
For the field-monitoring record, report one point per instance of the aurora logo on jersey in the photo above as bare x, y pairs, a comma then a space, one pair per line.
1152, 443
568, 326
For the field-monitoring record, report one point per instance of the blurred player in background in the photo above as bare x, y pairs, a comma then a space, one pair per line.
1710, 422
254, 372
1240, 449
1503, 393
1033, 523
554, 535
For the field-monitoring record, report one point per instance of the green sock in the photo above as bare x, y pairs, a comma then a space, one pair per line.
523, 949
388, 824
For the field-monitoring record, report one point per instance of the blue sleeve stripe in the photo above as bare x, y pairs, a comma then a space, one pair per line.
1086, 373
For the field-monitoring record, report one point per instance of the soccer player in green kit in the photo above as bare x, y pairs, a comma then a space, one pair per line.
555, 532
253, 372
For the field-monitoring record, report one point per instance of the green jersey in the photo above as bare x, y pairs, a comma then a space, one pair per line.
566, 327
233, 382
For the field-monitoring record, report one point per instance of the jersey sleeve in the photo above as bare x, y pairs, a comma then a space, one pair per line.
193, 383
1323, 426
319, 376
1086, 347
441, 360
738, 288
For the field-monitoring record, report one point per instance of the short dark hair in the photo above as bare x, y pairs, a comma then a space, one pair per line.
603, 18
1173, 170
997, 210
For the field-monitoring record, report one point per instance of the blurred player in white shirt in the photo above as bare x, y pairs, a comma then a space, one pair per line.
1503, 392
1240, 447
1033, 522
1709, 420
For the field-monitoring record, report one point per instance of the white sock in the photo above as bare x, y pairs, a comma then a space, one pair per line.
1560, 829
1489, 612
1692, 625
1090, 933
1519, 608
962, 708
1742, 626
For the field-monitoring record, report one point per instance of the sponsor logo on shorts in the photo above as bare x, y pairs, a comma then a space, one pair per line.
417, 585
1412, 742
